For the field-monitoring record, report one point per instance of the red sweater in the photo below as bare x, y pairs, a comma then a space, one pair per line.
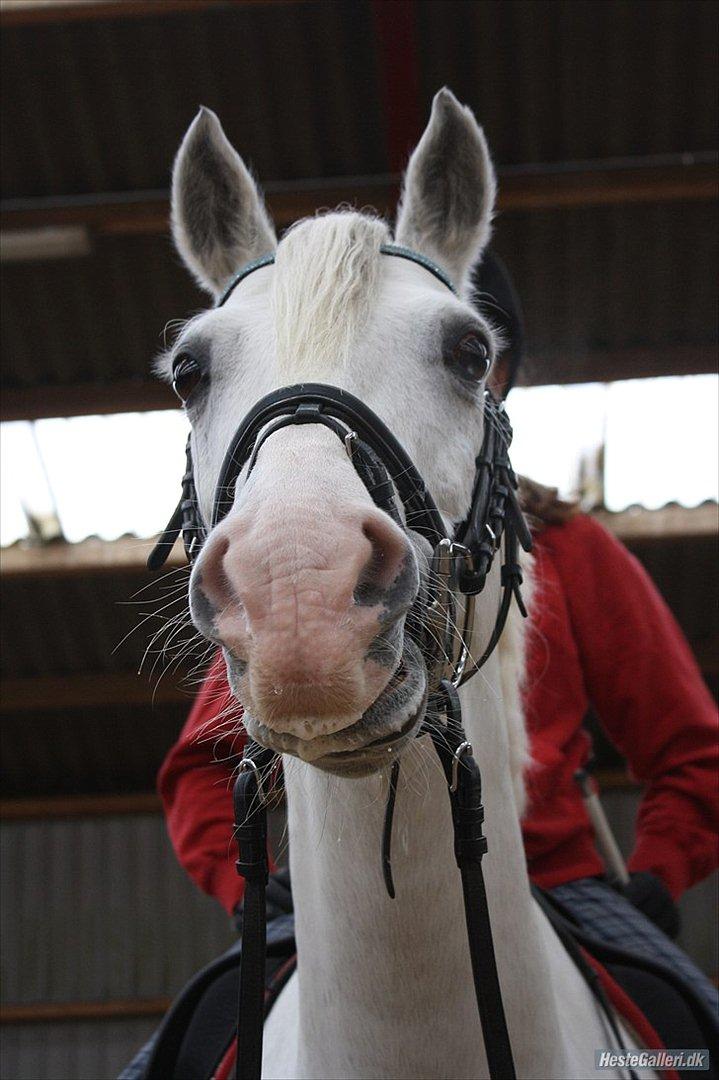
599, 633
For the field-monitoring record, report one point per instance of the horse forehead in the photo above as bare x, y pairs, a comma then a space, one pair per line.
406, 302
396, 277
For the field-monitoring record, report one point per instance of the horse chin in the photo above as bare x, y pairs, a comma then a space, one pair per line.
372, 742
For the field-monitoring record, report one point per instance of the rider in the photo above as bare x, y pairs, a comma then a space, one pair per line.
600, 634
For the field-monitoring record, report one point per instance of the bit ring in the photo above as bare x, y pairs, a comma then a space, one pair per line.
247, 764
463, 748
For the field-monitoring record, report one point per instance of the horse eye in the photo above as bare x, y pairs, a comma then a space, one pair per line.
470, 357
186, 375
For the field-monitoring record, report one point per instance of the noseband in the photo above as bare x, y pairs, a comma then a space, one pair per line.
460, 565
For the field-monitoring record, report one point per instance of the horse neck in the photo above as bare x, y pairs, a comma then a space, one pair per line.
377, 976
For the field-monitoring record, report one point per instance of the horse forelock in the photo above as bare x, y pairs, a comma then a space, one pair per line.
326, 278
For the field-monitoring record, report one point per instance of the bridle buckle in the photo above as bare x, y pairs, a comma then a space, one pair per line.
247, 764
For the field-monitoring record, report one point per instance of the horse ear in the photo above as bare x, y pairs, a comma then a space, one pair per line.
449, 190
219, 221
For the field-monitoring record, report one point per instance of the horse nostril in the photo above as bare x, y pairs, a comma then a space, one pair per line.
212, 576
390, 547
388, 563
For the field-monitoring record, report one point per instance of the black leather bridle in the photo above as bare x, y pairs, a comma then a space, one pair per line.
461, 562
460, 567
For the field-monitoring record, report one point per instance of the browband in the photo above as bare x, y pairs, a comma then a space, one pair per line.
386, 249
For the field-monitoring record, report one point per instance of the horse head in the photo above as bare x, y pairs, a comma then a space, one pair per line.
309, 587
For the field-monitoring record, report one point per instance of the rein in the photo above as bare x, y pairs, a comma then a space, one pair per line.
459, 565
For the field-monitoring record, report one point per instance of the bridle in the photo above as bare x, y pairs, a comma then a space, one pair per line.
460, 562
459, 565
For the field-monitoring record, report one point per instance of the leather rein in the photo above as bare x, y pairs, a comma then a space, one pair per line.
460, 564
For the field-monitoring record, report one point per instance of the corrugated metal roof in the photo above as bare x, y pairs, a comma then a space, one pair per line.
66, 626
98, 319
601, 279
120, 747
103, 104
687, 574
568, 81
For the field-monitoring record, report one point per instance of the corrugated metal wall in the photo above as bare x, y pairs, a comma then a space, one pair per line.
82, 1051
95, 909
118, 918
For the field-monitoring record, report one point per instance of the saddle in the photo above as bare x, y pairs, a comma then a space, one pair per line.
196, 1040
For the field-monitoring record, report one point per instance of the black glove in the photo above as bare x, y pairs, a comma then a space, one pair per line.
650, 896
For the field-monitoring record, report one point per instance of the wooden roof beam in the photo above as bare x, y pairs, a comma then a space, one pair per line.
54, 1012
85, 399
80, 806
58, 559
53, 693
89, 806
32, 12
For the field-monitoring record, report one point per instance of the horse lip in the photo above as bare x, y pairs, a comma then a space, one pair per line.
383, 744
386, 741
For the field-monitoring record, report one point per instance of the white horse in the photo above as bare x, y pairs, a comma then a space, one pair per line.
306, 585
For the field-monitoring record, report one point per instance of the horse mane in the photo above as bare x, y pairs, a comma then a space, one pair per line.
326, 278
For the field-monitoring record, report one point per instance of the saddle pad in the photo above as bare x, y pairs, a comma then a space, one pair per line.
652, 1000
631, 1014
